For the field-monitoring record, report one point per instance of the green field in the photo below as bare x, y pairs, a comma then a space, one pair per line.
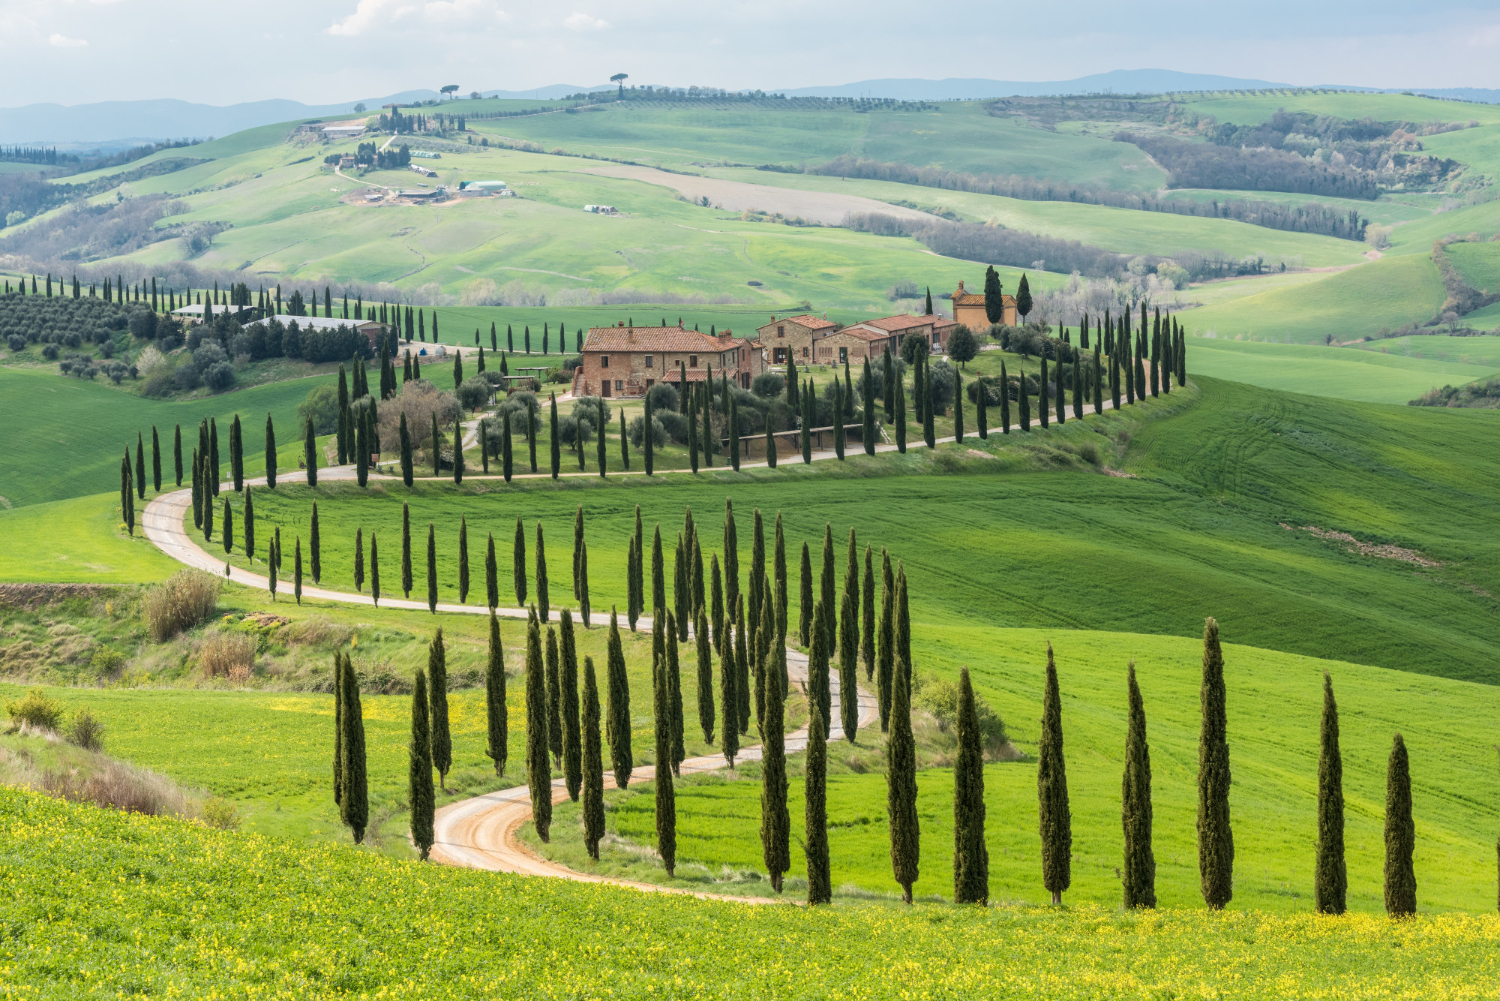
80, 430
1200, 522
1479, 263
1391, 370
96, 549
238, 915
1346, 305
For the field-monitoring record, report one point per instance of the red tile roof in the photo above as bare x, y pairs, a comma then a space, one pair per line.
893, 324
863, 334
806, 320
657, 339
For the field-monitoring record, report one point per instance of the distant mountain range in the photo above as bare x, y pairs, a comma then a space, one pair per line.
116, 124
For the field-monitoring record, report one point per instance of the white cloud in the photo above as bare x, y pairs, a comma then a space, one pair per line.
61, 41
578, 21
372, 14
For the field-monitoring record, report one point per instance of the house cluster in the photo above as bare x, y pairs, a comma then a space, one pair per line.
627, 361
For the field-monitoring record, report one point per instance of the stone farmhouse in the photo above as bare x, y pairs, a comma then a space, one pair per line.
791, 338
627, 361
968, 309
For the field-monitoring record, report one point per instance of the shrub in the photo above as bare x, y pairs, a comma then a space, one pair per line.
663, 397
768, 385
636, 432
904, 289
674, 424
227, 655
219, 376
586, 408
474, 393
220, 814
87, 732
49, 352
939, 698
16, 342
187, 598
36, 710
106, 662
120, 787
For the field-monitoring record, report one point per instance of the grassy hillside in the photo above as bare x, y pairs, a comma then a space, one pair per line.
1391, 370
1199, 522
1274, 703
1258, 106
1346, 305
264, 921
78, 429
93, 549
1479, 263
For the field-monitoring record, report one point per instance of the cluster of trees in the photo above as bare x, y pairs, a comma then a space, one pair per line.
373, 156
1205, 165
33, 317
1311, 217
395, 121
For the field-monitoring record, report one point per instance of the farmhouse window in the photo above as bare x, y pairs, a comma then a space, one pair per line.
843, 356
604, 361
619, 385
778, 356
804, 352
692, 361
649, 361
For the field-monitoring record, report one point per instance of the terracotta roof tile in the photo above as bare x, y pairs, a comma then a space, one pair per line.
892, 324
806, 320
660, 339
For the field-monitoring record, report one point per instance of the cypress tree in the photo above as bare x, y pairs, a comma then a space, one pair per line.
208, 501
1400, 835
338, 728
901, 792
538, 770
828, 623
359, 558
624, 444
155, 460
838, 419
273, 564
1077, 387
491, 575
716, 602
140, 466
1331, 882
1055, 817
705, 676
658, 576
756, 590
729, 702
815, 814
818, 694
177, 453
775, 823
958, 407
250, 527
127, 495
297, 569
507, 456
584, 607
442, 739
903, 630
406, 550
555, 445
1024, 399
900, 418
886, 648
437, 447
1059, 399
197, 490
407, 471
805, 600
541, 573
618, 722
226, 531
374, 571
1005, 400
674, 698
971, 858
360, 447
981, 409
314, 542
638, 570
236, 455
458, 451
518, 564
928, 434
779, 565
419, 769
213, 452
1138, 873
848, 672
354, 801
603, 438
666, 800
431, 570
463, 560
593, 764
1098, 381
554, 699
310, 450
572, 749
648, 442
731, 556
809, 415
681, 584
867, 615
742, 665
497, 718
1215, 837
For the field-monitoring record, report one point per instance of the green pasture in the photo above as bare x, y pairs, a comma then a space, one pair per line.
1385, 371
93, 549
1125, 231
1258, 106
1344, 305
79, 430
1274, 704
1479, 263
1197, 531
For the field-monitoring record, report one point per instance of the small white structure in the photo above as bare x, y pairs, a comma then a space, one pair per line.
426, 154
601, 209
426, 351
343, 131
482, 187
417, 168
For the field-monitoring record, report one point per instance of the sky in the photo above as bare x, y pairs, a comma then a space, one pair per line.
330, 51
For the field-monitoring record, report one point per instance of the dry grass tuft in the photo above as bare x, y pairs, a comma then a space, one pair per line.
185, 600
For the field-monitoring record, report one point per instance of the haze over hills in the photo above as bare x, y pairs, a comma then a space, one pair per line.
122, 123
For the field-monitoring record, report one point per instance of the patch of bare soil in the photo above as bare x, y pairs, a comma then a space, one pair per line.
1385, 552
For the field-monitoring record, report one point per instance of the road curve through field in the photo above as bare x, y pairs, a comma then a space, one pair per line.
480, 832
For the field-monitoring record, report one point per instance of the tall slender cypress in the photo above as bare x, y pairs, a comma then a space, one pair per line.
431, 568
731, 556
886, 648
491, 575
518, 564
1005, 400
463, 560
1400, 835
270, 453
900, 417
729, 703
155, 460
1138, 871
406, 550
805, 599
419, 769
177, 453
249, 532
572, 756
1331, 878
497, 716
658, 576
1215, 836
593, 763
374, 571
819, 695
716, 601
236, 455
585, 609
971, 858
538, 768
815, 813
705, 676
338, 727
867, 616
555, 445
1055, 816
901, 792
437, 679
354, 802
867, 405
848, 667
775, 823
407, 468
666, 800
742, 664
554, 699
674, 698
618, 722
